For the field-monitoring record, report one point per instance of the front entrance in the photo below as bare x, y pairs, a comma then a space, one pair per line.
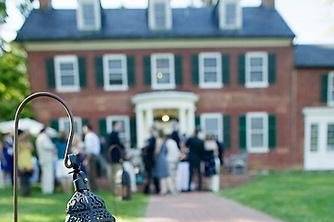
164, 119
162, 109
319, 139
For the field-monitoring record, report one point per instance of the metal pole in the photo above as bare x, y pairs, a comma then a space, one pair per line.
16, 126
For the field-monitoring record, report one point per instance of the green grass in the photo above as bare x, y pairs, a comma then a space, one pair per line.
41, 208
290, 196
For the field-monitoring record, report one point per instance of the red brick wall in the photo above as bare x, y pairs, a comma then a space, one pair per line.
306, 93
233, 99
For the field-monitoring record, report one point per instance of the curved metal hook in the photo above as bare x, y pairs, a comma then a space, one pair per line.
16, 126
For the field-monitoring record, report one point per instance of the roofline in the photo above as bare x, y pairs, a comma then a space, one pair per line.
314, 66
156, 44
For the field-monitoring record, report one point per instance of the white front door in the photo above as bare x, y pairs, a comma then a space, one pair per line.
319, 139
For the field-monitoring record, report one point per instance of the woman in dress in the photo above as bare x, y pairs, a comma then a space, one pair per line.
161, 164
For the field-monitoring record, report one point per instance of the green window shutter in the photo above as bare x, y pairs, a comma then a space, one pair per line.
82, 72
324, 88
133, 132
131, 67
241, 69
197, 122
194, 68
178, 70
242, 132
147, 70
226, 69
272, 131
271, 68
227, 131
99, 71
84, 121
50, 73
103, 127
54, 124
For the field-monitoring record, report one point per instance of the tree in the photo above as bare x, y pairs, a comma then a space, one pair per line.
14, 85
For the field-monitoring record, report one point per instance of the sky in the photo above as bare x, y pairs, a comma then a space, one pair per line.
311, 20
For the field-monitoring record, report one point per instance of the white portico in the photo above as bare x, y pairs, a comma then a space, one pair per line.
162, 107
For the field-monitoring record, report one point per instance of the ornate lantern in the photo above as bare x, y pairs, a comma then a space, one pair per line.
84, 206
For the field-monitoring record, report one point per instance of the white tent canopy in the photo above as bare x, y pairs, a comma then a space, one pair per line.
26, 124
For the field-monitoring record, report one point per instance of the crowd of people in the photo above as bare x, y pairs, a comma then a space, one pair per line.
170, 162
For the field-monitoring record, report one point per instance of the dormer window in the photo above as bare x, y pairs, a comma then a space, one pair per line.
89, 15
230, 14
160, 15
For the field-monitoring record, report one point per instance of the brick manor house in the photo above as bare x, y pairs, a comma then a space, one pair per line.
232, 70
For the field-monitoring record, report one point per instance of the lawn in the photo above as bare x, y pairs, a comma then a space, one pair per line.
40, 208
290, 196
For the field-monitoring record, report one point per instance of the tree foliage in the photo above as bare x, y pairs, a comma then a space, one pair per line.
14, 85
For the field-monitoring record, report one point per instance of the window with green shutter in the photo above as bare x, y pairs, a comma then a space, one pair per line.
103, 127
99, 71
242, 132
147, 70
194, 68
197, 122
133, 132
178, 70
131, 68
82, 72
50, 73
324, 88
226, 69
54, 124
241, 69
271, 68
272, 134
227, 131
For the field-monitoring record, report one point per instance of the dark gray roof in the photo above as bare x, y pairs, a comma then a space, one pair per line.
314, 56
132, 23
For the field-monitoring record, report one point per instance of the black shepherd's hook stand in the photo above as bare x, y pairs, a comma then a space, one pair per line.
84, 206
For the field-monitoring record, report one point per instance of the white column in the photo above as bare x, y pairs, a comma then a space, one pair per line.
191, 121
149, 122
140, 126
182, 120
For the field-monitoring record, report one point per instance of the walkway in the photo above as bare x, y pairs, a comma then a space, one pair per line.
200, 207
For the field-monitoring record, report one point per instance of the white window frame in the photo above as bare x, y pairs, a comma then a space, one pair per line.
151, 11
330, 88
67, 58
218, 57
76, 120
222, 15
126, 120
217, 116
265, 117
97, 15
154, 82
259, 84
106, 76
310, 137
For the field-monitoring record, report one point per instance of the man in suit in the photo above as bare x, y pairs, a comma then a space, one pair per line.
196, 150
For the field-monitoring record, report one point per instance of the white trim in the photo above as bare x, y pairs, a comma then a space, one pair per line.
322, 159
330, 88
66, 58
265, 148
264, 57
154, 82
218, 57
126, 120
76, 120
106, 76
182, 43
151, 13
149, 97
222, 15
219, 118
97, 16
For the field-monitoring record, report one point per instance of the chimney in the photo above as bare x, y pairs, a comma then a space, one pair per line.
45, 4
268, 3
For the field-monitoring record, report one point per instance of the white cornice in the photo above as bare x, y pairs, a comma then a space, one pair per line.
156, 44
